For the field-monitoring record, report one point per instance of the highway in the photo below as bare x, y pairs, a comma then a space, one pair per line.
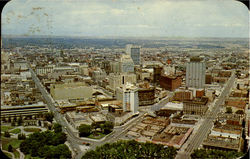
205, 128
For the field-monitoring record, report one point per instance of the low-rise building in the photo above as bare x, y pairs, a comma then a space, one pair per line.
71, 91
198, 106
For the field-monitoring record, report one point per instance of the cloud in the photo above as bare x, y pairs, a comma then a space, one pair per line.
127, 18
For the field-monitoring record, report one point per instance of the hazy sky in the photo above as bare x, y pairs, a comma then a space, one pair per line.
164, 18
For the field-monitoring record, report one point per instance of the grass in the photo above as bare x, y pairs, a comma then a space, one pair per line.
97, 136
6, 128
15, 131
32, 129
15, 143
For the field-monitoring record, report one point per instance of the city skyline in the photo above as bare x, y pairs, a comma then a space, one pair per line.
126, 19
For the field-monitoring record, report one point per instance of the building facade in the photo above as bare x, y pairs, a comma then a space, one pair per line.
170, 82
126, 64
134, 52
198, 106
195, 74
128, 94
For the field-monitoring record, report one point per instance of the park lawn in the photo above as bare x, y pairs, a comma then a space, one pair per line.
32, 129
98, 136
15, 143
15, 131
6, 128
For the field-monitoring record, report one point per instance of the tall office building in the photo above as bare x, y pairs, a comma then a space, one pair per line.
134, 52
195, 73
126, 64
128, 94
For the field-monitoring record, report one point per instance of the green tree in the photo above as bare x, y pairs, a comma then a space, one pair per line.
131, 149
10, 148
46, 145
59, 138
6, 134
57, 128
84, 130
20, 121
21, 136
13, 123
108, 127
229, 110
49, 116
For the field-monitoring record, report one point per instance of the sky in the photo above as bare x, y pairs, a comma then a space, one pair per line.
126, 18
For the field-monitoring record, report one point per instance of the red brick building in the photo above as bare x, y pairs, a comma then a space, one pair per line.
238, 103
183, 95
200, 93
208, 79
170, 82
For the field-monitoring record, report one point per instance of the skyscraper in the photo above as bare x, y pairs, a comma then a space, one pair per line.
128, 94
134, 52
195, 73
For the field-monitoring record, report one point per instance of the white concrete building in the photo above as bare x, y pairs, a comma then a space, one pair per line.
195, 74
128, 94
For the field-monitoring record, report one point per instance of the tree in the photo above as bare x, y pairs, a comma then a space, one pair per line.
84, 130
10, 148
21, 136
108, 127
131, 149
49, 116
59, 138
239, 112
20, 121
6, 134
57, 128
229, 110
46, 145
13, 123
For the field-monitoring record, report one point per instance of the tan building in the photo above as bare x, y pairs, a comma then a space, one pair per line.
71, 91
117, 80
198, 106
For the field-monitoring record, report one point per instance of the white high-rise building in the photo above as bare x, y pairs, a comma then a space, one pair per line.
195, 73
128, 94
134, 52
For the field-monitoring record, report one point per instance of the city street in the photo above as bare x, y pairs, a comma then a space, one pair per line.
204, 129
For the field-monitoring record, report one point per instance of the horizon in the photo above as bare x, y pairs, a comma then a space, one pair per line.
115, 37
